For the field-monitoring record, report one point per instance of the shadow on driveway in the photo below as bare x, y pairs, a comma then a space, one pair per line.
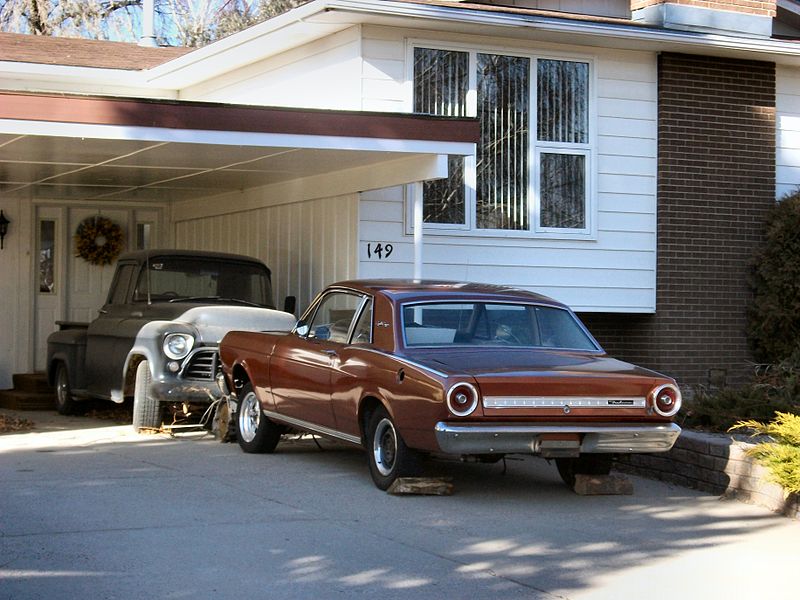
105, 512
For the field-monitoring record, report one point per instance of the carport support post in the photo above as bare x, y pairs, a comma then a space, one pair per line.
416, 190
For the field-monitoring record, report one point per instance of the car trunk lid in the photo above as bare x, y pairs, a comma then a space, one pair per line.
550, 383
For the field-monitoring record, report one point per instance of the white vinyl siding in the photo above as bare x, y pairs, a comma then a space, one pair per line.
307, 245
615, 271
788, 130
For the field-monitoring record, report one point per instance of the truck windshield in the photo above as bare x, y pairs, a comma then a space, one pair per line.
176, 279
489, 324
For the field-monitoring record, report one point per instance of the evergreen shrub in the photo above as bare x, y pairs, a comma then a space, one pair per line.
774, 316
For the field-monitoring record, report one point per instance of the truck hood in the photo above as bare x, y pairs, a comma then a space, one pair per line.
213, 322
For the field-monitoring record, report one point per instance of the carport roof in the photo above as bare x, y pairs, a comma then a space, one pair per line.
81, 147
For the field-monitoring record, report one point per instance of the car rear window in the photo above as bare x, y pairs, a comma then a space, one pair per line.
493, 324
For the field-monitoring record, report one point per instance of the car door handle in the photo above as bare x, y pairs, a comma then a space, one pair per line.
331, 353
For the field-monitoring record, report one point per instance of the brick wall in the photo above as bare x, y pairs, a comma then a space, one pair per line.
750, 7
715, 464
716, 180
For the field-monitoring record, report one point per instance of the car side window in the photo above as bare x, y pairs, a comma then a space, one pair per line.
119, 288
334, 316
363, 331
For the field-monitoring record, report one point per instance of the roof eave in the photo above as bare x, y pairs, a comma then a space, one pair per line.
324, 17
48, 78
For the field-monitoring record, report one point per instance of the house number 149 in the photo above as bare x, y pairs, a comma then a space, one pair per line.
379, 250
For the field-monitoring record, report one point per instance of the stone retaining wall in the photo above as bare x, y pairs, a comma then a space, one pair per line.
716, 464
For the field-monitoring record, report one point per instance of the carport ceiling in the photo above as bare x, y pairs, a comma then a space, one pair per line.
61, 147
74, 168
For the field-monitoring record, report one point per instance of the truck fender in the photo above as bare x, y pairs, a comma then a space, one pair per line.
68, 347
147, 346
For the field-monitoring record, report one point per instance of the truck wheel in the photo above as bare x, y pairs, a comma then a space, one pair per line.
65, 404
255, 433
585, 464
387, 454
146, 408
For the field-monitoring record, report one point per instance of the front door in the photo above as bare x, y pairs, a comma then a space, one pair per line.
301, 370
69, 290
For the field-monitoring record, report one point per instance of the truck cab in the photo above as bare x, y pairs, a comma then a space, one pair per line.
156, 338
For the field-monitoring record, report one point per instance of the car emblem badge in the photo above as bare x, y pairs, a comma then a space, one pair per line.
566, 409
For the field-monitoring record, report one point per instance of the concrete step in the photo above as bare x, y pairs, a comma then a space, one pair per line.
17, 400
32, 382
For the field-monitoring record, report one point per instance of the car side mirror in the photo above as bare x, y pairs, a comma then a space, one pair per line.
290, 304
301, 328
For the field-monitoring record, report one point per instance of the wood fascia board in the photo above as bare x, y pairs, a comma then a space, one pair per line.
199, 122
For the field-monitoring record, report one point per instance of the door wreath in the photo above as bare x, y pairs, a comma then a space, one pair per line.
98, 240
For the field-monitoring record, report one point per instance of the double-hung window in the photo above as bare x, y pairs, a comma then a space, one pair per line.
531, 170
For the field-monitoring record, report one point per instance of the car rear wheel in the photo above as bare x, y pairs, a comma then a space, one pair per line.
255, 432
586, 464
388, 456
146, 407
65, 404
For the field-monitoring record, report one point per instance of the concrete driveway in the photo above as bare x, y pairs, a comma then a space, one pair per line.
101, 512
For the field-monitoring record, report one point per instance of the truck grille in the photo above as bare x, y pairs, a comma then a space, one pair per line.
203, 364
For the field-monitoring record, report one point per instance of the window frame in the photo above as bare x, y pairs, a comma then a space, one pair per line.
535, 147
598, 349
311, 313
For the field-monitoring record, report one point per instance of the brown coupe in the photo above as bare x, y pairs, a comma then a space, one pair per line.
408, 368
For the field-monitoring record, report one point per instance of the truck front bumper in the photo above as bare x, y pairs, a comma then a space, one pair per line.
194, 381
555, 439
185, 391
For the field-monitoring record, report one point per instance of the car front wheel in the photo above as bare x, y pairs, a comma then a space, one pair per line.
388, 456
255, 432
146, 407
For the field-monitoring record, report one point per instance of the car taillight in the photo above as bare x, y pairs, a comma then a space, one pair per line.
462, 399
666, 400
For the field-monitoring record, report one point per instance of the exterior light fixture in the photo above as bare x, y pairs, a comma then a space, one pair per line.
3, 228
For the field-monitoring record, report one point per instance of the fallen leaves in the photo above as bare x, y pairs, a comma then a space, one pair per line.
11, 424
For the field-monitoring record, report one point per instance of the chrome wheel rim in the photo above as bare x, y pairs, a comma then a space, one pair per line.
61, 387
384, 447
249, 417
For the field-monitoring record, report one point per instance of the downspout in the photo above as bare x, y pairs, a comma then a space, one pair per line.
416, 190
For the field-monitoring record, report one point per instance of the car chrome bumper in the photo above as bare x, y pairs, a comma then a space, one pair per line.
509, 438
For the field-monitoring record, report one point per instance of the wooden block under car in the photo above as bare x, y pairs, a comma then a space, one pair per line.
603, 485
427, 486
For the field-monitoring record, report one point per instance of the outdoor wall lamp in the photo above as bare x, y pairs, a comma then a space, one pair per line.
3, 228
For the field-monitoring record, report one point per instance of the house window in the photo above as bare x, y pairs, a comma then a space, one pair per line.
441, 79
47, 250
502, 163
143, 235
531, 172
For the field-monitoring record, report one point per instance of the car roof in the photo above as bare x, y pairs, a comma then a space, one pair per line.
405, 290
142, 255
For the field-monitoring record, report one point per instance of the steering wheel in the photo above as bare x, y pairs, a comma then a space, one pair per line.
504, 335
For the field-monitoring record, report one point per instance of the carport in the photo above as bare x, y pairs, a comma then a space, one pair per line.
113, 152
132, 149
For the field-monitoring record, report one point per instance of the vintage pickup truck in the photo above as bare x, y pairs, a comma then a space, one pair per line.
157, 336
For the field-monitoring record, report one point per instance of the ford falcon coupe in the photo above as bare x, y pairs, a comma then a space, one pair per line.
407, 369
